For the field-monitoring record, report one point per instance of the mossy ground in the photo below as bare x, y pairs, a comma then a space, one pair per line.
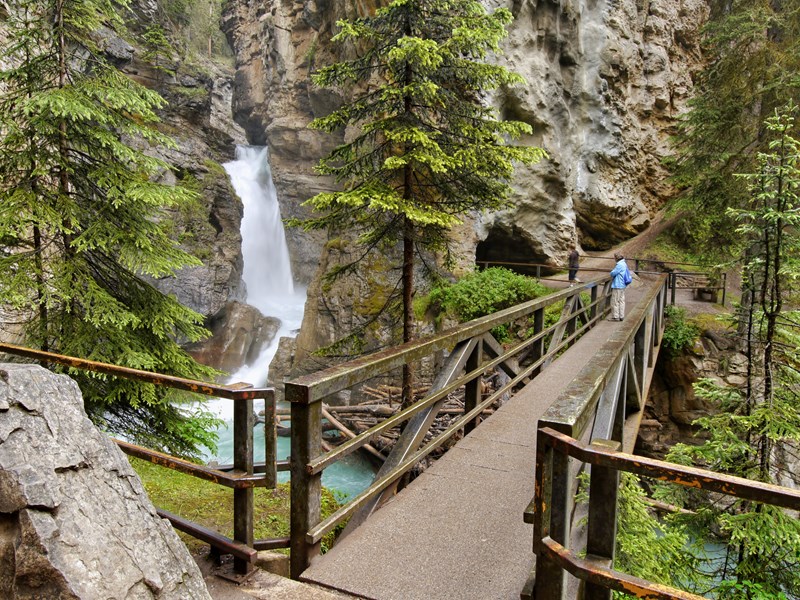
211, 505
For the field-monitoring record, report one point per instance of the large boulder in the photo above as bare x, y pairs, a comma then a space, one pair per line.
239, 333
75, 521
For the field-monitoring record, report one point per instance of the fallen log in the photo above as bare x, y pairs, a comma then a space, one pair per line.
336, 423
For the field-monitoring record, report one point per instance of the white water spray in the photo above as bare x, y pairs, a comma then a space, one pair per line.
267, 271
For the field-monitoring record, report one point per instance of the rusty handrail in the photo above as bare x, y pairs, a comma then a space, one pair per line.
687, 476
606, 464
234, 391
241, 477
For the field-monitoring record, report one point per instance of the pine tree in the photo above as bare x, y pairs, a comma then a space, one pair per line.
753, 69
761, 543
82, 219
428, 149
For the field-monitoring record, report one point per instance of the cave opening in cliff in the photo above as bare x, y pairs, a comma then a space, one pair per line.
503, 248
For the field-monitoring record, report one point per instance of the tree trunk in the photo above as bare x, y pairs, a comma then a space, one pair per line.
408, 294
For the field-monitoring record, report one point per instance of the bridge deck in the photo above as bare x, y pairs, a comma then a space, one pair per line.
457, 531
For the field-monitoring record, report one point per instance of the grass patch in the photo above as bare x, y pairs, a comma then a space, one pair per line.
211, 505
667, 249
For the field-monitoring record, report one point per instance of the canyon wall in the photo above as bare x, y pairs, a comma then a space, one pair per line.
605, 81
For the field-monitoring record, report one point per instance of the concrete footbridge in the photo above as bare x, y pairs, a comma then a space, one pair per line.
459, 529
495, 516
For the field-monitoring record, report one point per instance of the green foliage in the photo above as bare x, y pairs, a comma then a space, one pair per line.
481, 293
83, 219
211, 505
761, 543
646, 547
157, 47
426, 148
679, 334
753, 65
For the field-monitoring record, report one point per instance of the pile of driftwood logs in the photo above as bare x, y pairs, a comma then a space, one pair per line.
382, 401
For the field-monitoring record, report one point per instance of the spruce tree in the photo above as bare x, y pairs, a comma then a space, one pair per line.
82, 219
753, 68
761, 557
428, 147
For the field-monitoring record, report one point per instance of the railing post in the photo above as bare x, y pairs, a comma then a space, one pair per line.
472, 389
550, 577
270, 440
602, 529
243, 463
674, 277
306, 489
593, 302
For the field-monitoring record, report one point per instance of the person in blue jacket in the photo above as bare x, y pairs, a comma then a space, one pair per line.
618, 288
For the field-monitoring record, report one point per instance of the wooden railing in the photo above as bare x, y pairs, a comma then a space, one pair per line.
472, 350
242, 476
552, 450
603, 401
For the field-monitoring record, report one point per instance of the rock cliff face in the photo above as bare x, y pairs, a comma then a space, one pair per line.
199, 118
605, 81
75, 521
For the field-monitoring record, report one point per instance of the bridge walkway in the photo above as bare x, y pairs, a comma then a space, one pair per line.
457, 531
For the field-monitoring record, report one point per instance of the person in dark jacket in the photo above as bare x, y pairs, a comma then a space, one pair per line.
618, 288
574, 261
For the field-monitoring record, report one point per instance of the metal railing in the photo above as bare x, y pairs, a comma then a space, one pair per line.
701, 282
472, 352
242, 476
595, 569
604, 401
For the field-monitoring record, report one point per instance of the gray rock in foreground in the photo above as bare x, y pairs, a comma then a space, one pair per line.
75, 521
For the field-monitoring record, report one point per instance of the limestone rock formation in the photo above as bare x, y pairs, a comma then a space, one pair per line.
605, 82
672, 405
239, 334
75, 522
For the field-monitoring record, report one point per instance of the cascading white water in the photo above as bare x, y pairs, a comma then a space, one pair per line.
267, 272
270, 288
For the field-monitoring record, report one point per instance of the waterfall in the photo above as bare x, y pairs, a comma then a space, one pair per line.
270, 288
267, 271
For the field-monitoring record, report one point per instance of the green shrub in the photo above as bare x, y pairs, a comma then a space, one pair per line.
482, 293
679, 334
